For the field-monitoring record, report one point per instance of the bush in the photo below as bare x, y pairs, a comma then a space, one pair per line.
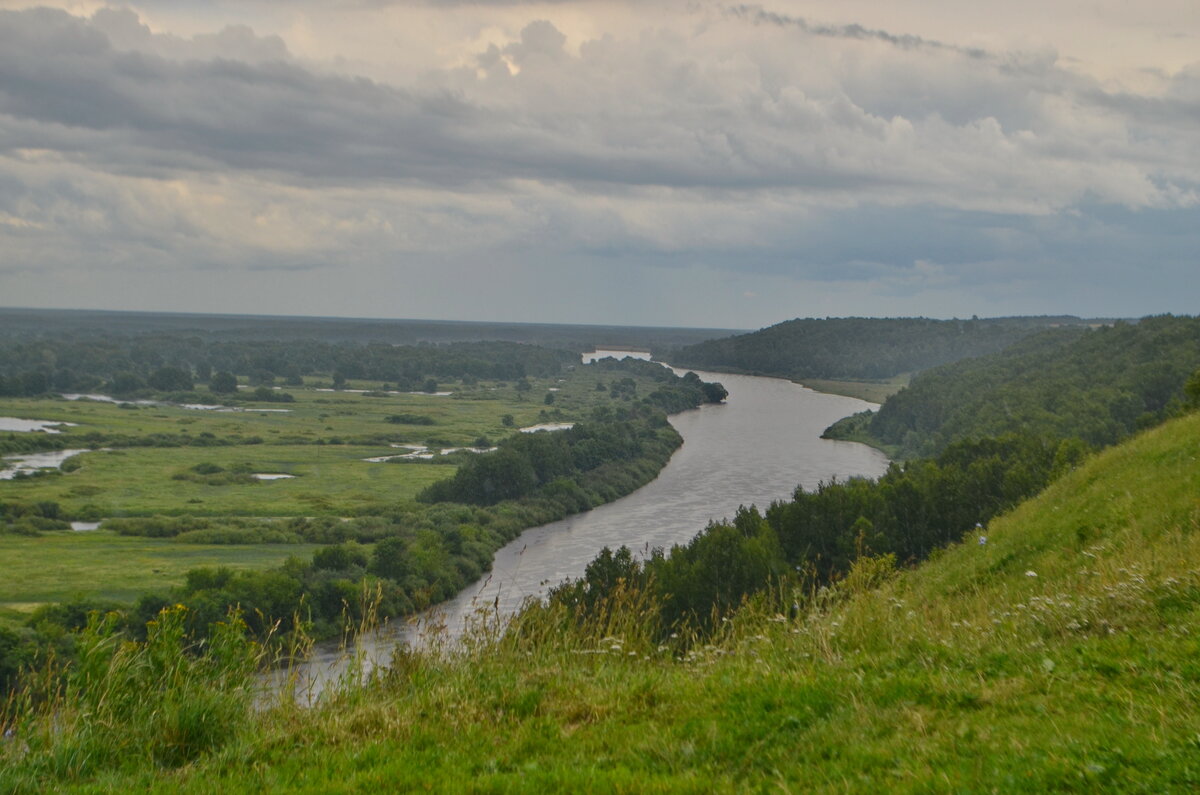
410, 419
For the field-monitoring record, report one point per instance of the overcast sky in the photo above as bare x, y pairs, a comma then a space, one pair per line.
668, 163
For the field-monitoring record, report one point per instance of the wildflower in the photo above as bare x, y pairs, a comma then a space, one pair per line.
1031, 573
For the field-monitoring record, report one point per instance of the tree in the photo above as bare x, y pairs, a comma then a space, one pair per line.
391, 559
1191, 391
223, 383
126, 383
170, 379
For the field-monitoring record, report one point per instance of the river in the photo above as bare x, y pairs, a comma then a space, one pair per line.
753, 449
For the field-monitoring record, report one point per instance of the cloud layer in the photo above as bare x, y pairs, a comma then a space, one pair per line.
705, 157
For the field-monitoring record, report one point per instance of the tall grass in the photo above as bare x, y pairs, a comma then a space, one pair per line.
128, 705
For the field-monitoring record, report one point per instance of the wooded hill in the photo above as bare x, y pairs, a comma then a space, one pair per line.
1097, 385
859, 347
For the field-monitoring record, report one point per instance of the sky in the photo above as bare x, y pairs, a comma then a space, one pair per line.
679, 163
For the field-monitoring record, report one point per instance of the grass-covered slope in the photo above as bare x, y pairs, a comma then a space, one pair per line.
1063, 654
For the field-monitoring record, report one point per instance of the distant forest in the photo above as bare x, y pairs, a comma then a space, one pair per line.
164, 362
859, 348
24, 324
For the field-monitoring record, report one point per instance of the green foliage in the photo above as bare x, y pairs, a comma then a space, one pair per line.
859, 348
823, 534
223, 383
1097, 385
16, 653
170, 379
965, 674
410, 419
1191, 391
265, 394
165, 361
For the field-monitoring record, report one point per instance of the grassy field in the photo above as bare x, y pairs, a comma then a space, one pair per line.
1061, 655
57, 566
873, 391
331, 480
321, 440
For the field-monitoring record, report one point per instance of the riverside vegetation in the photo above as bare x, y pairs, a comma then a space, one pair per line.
1059, 656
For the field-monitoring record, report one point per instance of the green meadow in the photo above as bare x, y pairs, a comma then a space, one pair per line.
167, 460
57, 566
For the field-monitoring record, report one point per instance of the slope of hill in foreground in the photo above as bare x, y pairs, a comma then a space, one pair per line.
1062, 654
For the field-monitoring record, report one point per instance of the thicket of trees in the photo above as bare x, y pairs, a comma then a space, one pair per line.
818, 535
858, 347
1097, 385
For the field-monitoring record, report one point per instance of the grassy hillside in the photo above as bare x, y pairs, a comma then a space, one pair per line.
1060, 655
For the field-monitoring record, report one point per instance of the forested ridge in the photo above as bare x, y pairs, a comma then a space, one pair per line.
859, 347
1097, 385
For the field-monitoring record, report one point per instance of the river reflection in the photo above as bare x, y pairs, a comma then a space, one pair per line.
754, 449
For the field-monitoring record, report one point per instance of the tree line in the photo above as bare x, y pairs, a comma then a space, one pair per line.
818, 536
174, 363
859, 347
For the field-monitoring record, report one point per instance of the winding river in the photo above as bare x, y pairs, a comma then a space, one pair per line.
753, 449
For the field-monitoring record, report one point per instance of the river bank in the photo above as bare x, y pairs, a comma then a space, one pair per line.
756, 448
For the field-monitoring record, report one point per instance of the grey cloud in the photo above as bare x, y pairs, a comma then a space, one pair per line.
645, 113
759, 16
933, 167
126, 31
